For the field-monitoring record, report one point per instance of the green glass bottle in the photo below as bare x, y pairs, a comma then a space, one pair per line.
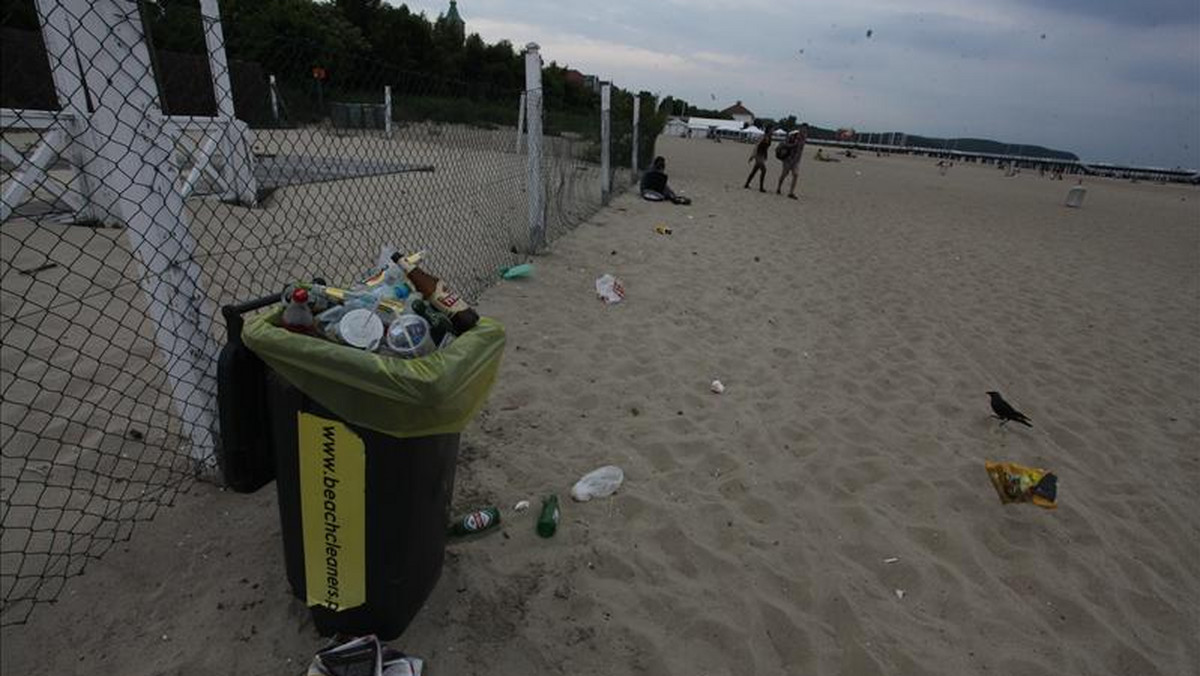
475, 522
548, 520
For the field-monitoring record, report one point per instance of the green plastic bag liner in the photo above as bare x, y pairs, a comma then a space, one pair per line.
435, 394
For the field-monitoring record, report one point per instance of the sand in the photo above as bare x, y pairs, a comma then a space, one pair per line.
856, 332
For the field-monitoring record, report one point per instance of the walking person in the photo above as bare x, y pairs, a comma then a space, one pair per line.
759, 157
789, 153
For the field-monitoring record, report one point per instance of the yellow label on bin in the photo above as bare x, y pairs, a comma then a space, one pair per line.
333, 484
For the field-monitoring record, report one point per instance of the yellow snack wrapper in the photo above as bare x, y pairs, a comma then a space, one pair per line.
1017, 483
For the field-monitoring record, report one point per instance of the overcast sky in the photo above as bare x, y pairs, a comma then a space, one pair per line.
1111, 80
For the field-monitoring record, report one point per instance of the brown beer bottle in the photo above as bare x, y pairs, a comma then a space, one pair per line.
462, 317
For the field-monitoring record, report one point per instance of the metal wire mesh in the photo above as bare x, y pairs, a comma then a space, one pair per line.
144, 188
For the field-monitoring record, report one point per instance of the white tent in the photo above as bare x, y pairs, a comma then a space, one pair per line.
700, 126
752, 132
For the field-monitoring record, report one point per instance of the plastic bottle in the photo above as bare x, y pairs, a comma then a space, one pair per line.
298, 317
547, 522
439, 324
598, 483
476, 522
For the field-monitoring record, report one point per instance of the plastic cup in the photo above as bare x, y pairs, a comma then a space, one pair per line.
409, 336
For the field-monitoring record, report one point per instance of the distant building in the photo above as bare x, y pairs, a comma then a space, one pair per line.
453, 17
739, 113
574, 77
592, 82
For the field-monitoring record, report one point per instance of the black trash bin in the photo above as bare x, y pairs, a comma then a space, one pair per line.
401, 490
365, 448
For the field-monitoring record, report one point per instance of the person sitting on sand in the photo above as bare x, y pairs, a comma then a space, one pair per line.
789, 153
759, 157
822, 157
654, 184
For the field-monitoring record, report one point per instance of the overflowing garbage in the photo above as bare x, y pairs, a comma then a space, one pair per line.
400, 310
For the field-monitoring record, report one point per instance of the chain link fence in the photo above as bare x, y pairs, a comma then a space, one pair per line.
143, 188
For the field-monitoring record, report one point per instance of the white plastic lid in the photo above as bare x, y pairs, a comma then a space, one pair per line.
361, 328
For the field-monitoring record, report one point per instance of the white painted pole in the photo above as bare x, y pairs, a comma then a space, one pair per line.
134, 160
237, 141
520, 121
637, 104
57, 26
605, 142
387, 110
535, 186
274, 101
31, 173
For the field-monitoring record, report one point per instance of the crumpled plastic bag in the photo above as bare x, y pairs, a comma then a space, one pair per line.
364, 656
610, 289
1017, 483
598, 483
435, 394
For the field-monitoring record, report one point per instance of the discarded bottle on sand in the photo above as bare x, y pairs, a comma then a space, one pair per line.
476, 522
547, 522
437, 293
298, 315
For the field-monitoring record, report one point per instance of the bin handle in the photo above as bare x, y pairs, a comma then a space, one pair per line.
233, 315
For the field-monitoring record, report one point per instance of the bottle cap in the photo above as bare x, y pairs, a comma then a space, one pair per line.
402, 291
300, 296
361, 328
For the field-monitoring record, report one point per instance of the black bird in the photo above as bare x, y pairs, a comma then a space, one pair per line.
1005, 412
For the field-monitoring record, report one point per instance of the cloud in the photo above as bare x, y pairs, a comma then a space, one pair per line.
1088, 76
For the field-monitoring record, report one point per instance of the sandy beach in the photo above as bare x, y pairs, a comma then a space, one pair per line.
828, 513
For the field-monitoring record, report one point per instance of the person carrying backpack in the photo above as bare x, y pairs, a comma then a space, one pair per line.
789, 153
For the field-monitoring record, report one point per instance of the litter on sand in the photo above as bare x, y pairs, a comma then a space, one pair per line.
662, 229
900, 593
521, 506
517, 271
610, 289
363, 656
1017, 483
891, 559
717, 387
598, 483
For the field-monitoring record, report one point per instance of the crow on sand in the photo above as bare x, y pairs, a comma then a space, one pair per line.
1005, 412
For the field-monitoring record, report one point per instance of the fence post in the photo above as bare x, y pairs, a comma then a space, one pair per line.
387, 110
57, 29
274, 101
605, 142
520, 121
637, 104
133, 162
237, 140
535, 187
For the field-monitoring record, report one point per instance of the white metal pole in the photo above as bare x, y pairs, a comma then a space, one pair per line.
520, 121
387, 110
605, 142
237, 139
57, 27
637, 104
133, 159
274, 101
535, 186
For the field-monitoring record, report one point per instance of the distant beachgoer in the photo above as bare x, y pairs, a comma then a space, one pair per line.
790, 153
759, 157
654, 184
822, 157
